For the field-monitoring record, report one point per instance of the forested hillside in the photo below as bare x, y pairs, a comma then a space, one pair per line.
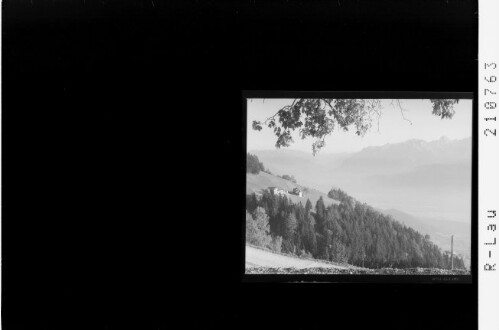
346, 232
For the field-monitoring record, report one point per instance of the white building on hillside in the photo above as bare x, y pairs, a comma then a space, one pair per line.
277, 191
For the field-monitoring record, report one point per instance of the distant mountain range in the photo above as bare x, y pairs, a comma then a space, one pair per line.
410, 164
405, 156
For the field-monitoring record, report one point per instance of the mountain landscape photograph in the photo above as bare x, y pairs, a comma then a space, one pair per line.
358, 186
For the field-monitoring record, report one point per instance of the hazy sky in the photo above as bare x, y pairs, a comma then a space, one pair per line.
392, 127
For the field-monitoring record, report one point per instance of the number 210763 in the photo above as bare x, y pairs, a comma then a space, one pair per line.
490, 105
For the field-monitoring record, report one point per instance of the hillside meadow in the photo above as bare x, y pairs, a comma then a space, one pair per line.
256, 183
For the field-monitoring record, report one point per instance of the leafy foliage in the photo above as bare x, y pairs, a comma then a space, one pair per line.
258, 230
317, 118
443, 108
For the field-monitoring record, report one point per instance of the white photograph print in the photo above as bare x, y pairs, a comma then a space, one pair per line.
358, 186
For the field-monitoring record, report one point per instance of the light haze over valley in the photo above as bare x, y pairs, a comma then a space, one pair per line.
430, 179
420, 174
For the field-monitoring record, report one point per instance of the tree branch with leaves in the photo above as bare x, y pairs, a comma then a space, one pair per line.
318, 118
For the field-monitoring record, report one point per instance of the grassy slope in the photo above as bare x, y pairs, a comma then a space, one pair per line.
261, 261
261, 181
258, 257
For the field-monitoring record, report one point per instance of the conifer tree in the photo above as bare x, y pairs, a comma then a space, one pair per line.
289, 232
308, 206
320, 211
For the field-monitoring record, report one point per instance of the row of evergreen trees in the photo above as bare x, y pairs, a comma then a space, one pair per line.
348, 232
253, 164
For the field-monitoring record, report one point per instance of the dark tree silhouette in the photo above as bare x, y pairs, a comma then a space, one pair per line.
253, 164
317, 118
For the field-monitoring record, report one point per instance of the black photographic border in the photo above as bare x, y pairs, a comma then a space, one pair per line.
359, 278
